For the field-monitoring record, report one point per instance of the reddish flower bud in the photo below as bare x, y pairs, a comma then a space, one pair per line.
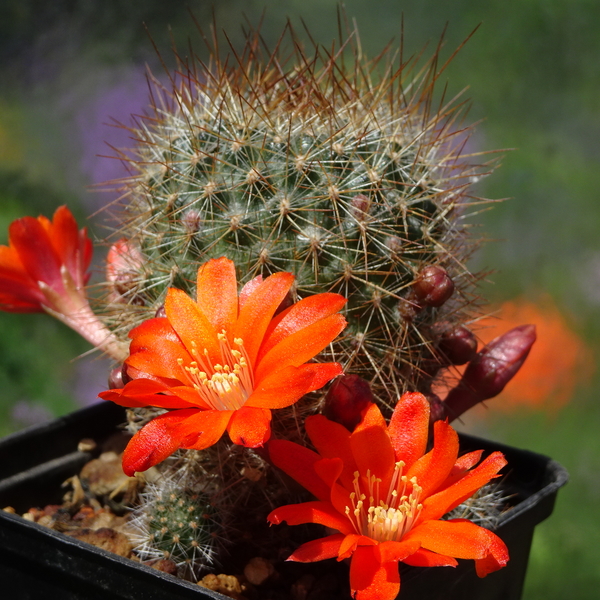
360, 207
115, 379
346, 400
160, 313
458, 346
491, 369
123, 264
433, 286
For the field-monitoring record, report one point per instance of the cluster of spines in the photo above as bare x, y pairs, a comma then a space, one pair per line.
176, 523
349, 180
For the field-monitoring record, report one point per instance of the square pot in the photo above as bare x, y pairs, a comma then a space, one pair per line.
37, 562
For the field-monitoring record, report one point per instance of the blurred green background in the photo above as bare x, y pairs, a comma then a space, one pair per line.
533, 67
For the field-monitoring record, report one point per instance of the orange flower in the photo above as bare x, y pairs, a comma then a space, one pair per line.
386, 496
44, 269
223, 362
44, 260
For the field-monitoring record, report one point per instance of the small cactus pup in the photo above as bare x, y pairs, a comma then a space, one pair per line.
318, 162
176, 524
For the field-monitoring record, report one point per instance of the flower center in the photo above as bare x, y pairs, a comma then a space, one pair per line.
386, 516
224, 386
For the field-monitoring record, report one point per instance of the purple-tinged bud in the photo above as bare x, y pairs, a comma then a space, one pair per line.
458, 346
160, 313
191, 220
115, 379
360, 207
433, 286
124, 263
347, 399
491, 369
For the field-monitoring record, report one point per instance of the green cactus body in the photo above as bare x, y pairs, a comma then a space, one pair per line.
345, 178
175, 523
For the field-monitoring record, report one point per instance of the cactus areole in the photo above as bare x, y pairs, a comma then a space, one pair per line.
328, 166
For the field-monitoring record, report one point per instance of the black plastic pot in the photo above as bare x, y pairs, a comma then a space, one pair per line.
39, 563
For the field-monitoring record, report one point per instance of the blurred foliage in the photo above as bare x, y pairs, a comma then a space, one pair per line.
533, 72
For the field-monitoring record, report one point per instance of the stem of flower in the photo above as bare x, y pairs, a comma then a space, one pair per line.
71, 307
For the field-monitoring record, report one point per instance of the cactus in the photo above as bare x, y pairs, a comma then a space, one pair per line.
176, 520
328, 165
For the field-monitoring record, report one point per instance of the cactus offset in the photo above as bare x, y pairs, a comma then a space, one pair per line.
347, 179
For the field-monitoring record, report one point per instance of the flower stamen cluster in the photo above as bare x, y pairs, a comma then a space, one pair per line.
224, 386
387, 519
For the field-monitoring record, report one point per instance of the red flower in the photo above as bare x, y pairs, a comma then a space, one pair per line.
44, 269
44, 262
386, 496
223, 362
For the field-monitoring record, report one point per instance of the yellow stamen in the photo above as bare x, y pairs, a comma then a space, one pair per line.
386, 518
225, 385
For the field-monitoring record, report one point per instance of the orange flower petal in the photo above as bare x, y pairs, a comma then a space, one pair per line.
302, 345
298, 316
153, 443
322, 373
372, 448
203, 429
20, 296
74, 250
258, 310
248, 290
250, 427
189, 395
444, 501
192, 325
281, 388
144, 392
11, 265
409, 427
320, 549
147, 331
40, 260
329, 470
457, 538
351, 543
370, 579
496, 558
316, 511
216, 293
161, 360
332, 440
298, 462
432, 469
461, 467
427, 558
398, 551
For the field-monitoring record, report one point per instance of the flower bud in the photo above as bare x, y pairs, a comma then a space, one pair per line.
458, 346
115, 379
123, 264
433, 286
491, 369
360, 207
346, 400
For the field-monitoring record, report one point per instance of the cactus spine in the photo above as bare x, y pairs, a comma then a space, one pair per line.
344, 176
